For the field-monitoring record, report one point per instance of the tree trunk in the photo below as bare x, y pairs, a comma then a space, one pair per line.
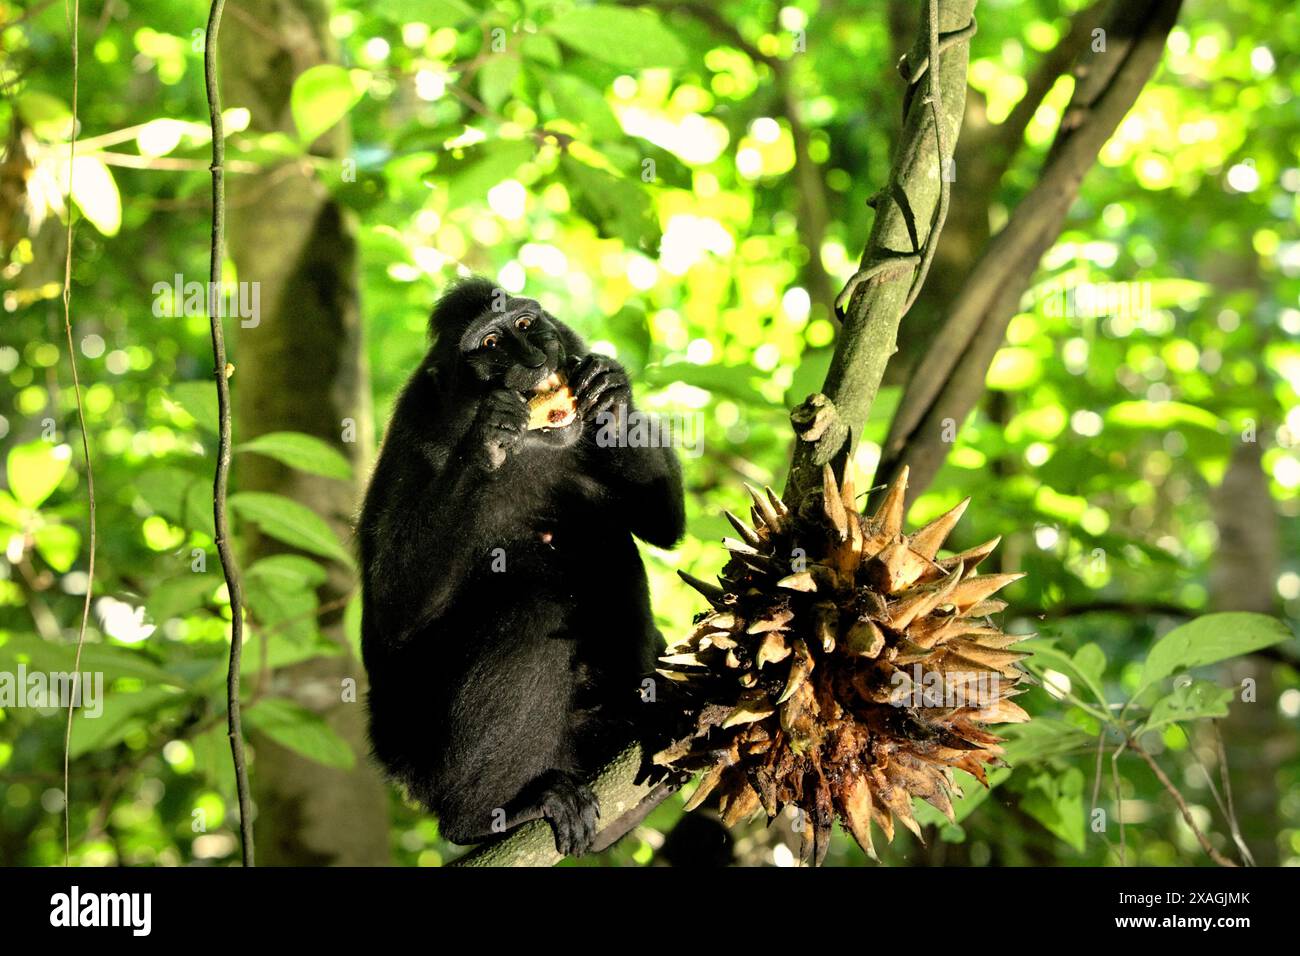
301, 367
1242, 578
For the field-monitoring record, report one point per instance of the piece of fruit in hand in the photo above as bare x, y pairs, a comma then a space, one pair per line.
551, 405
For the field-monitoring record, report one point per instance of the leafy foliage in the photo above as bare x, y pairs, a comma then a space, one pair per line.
636, 169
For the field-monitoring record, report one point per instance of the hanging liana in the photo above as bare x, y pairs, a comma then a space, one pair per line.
229, 566
75, 695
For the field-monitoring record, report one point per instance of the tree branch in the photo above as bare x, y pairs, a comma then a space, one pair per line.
229, 567
950, 378
1006, 137
620, 796
1127, 608
907, 222
1165, 782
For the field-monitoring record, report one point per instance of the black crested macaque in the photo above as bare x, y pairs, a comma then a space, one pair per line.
507, 622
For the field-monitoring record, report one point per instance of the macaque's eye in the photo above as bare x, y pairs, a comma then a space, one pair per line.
523, 322
490, 340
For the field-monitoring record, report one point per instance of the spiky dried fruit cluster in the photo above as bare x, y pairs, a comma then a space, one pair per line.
844, 667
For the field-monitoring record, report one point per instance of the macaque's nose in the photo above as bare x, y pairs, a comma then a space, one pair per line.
535, 358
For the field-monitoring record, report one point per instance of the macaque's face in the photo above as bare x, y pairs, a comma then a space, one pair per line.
517, 346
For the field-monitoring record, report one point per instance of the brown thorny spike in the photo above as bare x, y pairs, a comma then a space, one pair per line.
844, 668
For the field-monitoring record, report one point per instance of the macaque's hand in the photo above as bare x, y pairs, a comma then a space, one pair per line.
600, 385
502, 419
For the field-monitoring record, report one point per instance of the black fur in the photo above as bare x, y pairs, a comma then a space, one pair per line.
501, 690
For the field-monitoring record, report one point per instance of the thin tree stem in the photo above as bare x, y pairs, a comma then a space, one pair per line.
940, 207
1230, 811
1165, 782
229, 567
85, 442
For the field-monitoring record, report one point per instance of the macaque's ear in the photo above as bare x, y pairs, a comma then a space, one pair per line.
462, 303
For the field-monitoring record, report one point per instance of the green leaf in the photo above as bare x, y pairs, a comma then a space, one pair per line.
435, 13
179, 595
542, 48
288, 614
1207, 640
1014, 369
35, 470
95, 192
496, 78
631, 39
282, 595
487, 168
1056, 801
352, 625
302, 731
47, 115
629, 328
182, 497
1190, 701
112, 660
121, 714
303, 452
583, 104
323, 95
1043, 738
163, 490
123, 662
619, 207
212, 759
281, 653
58, 544
733, 381
11, 512
1090, 662
198, 506
291, 522
199, 401
1161, 416
1045, 655
289, 571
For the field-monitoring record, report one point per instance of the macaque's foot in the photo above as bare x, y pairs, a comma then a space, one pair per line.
572, 810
